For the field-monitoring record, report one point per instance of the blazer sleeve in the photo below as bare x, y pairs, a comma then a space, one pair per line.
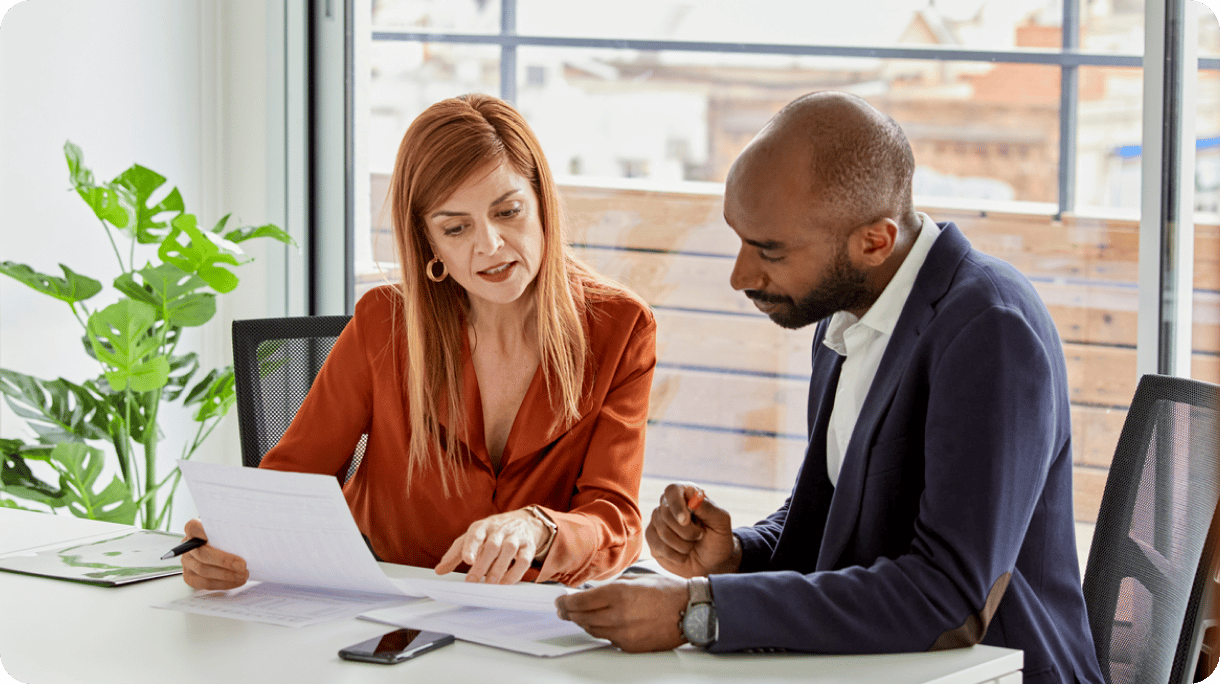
338, 407
758, 541
602, 531
991, 431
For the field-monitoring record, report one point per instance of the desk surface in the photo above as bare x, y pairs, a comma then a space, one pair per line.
55, 631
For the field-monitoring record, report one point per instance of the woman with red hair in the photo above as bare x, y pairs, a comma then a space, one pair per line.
502, 384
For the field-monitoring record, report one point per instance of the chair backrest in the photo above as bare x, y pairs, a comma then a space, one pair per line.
1150, 575
274, 364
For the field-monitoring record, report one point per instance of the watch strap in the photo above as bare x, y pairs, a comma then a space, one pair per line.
700, 589
549, 524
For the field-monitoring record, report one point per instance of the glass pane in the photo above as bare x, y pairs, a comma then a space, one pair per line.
987, 24
1109, 134
979, 130
1205, 340
458, 16
404, 79
641, 142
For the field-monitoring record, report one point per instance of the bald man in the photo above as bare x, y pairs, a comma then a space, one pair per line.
934, 506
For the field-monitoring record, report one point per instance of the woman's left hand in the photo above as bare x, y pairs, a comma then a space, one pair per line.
498, 548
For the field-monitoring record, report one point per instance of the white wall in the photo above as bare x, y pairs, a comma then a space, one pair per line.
192, 89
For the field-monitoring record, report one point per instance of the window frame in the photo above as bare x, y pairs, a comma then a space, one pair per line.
1166, 240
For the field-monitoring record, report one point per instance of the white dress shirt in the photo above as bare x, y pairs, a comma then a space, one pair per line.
863, 342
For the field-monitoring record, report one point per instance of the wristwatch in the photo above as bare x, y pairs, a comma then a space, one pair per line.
698, 622
550, 525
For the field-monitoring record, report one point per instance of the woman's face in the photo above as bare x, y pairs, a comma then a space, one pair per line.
489, 234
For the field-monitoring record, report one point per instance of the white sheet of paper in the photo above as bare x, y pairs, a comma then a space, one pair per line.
291, 528
524, 596
299, 540
531, 632
281, 604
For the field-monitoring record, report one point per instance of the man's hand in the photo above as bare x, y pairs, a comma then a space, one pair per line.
637, 614
694, 540
498, 548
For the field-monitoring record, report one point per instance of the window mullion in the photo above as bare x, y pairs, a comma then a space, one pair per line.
508, 51
1069, 92
1166, 257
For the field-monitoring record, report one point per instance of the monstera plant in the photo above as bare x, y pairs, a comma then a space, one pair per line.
134, 338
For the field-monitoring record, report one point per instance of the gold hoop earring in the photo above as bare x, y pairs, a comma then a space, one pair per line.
429, 270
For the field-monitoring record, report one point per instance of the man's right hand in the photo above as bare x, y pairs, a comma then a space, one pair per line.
692, 541
207, 567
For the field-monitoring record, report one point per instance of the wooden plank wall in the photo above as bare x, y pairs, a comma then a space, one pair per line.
729, 395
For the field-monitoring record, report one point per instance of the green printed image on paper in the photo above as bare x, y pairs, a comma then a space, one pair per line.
128, 557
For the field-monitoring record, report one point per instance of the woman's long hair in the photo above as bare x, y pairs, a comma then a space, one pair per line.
440, 151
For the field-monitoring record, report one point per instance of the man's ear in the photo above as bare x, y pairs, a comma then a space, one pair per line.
873, 243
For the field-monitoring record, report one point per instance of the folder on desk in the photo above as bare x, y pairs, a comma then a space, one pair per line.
108, 561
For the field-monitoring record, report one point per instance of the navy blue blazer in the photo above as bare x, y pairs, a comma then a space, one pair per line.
952, 520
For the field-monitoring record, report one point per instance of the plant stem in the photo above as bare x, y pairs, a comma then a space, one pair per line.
150, 455
166, 514
123, 446
76, 315
115, 246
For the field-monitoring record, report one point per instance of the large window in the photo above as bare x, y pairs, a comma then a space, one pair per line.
1026, 122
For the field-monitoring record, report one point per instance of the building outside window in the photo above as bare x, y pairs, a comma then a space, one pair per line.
642, 106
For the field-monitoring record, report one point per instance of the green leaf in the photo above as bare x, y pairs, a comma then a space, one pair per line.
203, 253
139, 183
181, 369
17, 479
129, 286
250, 232
79, 466
192, 310
57, 410
171, 291
77, 172
170, 282
72, 288
215, 394
272, 355
121, 339
106, 203
220, 225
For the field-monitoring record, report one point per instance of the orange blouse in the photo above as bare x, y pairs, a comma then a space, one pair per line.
586, 477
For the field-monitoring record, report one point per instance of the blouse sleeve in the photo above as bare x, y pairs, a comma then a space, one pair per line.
602, 531
336, 411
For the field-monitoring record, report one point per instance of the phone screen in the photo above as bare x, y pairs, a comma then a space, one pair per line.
396, 646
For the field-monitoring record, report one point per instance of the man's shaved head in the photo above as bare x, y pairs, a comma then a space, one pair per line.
857, 161
821, 200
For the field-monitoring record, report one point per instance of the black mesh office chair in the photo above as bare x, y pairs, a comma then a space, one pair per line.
1149, 582
274, 364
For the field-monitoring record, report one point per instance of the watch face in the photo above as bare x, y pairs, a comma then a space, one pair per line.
698, 625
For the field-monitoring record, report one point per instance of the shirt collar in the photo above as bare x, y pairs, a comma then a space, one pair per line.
883, 315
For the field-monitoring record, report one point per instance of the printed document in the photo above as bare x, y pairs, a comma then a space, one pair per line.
534, 632
307, 560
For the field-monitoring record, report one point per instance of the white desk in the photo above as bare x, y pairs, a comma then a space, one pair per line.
56, 631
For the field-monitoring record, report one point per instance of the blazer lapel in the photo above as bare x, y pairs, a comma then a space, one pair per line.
805, 526
930, 286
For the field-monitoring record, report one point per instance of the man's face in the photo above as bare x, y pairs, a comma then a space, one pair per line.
796, 269
842, 286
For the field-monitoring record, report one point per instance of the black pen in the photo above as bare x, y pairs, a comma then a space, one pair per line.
192, 543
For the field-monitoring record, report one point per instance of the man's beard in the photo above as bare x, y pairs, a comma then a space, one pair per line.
844, 287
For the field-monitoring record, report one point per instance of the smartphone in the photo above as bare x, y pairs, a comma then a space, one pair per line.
395, 647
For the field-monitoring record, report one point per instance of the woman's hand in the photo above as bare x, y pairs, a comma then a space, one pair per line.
207, 567
498, 548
